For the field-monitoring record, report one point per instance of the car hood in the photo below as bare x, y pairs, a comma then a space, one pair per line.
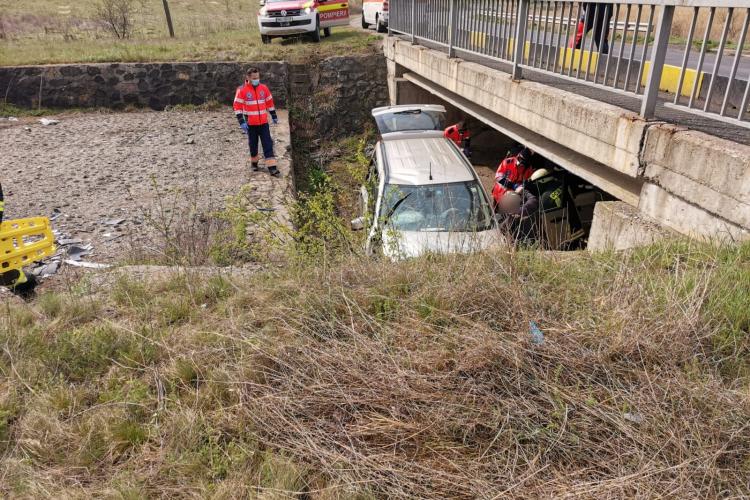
276, 6
405, 244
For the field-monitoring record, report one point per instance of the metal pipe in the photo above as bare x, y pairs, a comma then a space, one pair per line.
567, 42
661, 44
546, 34
518, 49
611, 46
550, 56
451, 30
686, 57
632, 46
645, 50
699, 66
593, 39
622, 46
717, 61
736, 62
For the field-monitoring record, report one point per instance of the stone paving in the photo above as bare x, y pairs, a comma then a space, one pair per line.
114, 178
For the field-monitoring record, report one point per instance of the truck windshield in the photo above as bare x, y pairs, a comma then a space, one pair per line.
457, 207
409, 119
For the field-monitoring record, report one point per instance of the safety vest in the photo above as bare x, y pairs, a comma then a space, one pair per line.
254, 103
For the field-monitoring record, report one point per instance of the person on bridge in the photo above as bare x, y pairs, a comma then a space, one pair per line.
459, 133
597, 16
253, 103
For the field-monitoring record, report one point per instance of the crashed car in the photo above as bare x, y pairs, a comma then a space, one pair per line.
422, 195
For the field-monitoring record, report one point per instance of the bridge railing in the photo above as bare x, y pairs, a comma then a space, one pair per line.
693, 55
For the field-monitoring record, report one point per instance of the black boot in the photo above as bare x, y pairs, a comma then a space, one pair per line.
274, 171
255, 166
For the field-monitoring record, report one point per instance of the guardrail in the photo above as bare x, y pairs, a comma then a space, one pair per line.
626, 46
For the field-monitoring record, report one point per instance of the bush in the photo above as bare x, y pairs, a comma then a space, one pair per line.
116, 16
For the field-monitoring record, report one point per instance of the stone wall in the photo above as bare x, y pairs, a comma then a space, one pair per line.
154, 85
336, 96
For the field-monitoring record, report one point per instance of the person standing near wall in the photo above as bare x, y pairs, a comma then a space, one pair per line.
253, 103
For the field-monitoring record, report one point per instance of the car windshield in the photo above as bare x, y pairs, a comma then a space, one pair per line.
459, 207
409, 119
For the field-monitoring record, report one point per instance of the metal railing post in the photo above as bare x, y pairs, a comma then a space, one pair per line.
522, 16
661, 43
413, 6
451, 27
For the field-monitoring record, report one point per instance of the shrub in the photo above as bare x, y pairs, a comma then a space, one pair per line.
116, 16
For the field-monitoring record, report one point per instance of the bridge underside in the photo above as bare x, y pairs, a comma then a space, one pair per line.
687, 181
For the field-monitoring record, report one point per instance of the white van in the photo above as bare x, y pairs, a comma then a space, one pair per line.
375, 13
286, 18
422, 195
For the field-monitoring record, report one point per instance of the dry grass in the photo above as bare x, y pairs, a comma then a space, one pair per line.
350, 378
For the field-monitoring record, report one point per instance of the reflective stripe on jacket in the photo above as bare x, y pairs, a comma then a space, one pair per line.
254, 103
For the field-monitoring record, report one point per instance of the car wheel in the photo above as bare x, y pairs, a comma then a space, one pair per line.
326, 32
381, 27
265, 38
364, 24
315, 35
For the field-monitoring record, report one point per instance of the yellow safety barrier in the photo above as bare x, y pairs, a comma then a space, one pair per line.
671, 75
526, 47
24, 241
478, 39
569, 57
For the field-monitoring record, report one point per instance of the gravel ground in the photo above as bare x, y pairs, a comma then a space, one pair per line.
98, 168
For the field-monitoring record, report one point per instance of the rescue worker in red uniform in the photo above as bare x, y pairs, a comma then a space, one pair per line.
461, 136
253, 103
512, 172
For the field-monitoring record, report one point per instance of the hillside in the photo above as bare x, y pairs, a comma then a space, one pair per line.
46, 31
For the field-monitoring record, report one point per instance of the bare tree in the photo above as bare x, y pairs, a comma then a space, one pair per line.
116, 16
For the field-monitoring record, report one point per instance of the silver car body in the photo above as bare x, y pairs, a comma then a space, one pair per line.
422, 161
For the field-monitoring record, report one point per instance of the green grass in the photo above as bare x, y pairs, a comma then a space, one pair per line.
37, 33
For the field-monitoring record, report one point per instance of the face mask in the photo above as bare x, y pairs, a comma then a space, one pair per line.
254, 83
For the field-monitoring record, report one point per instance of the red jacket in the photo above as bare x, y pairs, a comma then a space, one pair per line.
457, 135
253, 102
509, 176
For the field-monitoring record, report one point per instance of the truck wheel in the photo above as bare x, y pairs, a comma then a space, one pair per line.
265, 38
381, 27
364, 24
315, 35
326, 32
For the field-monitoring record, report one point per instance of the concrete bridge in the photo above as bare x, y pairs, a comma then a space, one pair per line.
673, 172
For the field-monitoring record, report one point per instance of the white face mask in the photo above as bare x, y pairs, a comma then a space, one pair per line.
254, 83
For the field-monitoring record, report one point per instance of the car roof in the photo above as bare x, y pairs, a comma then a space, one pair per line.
400, 107
409, 161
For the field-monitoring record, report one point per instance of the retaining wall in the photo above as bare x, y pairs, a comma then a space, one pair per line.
153, 85
342, 87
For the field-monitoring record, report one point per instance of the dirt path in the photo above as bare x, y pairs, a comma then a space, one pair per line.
109, 174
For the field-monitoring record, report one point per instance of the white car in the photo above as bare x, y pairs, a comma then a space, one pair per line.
422, 194
375, 13
286, 18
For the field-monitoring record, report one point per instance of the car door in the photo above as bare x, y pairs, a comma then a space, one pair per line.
333, 13
409, 118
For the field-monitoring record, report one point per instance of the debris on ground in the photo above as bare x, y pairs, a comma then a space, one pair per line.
89, 265
537, 336
48, 121
634, 417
